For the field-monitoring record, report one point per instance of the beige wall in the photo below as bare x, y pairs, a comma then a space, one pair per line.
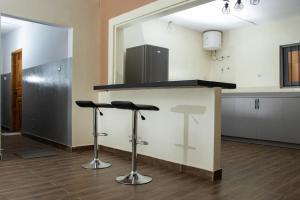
83, 16
110, 9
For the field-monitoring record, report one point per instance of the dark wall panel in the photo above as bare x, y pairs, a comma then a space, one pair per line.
47, 101
6, 101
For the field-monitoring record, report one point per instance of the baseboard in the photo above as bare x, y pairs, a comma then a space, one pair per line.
212, 176
46, 141
83, 148
5, 128
261, 142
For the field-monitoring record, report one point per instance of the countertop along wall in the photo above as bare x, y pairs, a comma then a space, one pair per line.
83, 17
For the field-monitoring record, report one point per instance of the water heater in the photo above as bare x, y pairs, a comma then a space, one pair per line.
212, 40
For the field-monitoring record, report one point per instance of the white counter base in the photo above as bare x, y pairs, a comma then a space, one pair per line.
186, 130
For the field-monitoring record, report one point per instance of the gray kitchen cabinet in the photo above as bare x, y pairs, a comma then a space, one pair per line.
245, 117
238, 117
269, 119
291, 120
228, 116
263, 118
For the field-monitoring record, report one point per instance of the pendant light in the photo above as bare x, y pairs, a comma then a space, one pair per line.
254, 2
226, 8
239, 5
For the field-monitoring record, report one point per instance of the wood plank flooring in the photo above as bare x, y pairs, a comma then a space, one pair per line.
253, 172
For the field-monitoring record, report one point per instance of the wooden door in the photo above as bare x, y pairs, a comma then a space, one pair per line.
16, 90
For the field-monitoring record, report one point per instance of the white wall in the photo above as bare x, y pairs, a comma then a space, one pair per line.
40, 44
254, 52
187, 59
83, 17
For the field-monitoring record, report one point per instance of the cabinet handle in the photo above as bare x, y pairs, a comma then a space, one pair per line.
258, 104
255, 104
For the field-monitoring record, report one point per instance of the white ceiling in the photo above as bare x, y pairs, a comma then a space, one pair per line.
9, 24
210, 17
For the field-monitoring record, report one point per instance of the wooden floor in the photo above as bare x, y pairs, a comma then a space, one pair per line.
253, 172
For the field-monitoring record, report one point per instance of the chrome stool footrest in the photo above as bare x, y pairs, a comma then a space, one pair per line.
134, 178
101, 134
141, 142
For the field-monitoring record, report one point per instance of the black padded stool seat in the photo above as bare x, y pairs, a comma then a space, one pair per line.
131, 106
90, 104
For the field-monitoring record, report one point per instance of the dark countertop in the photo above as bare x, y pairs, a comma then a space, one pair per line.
166, 84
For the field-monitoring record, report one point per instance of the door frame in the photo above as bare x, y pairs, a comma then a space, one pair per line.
13, 96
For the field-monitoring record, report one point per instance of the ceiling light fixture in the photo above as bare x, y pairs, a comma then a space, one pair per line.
238, 5
226, 8
254, 2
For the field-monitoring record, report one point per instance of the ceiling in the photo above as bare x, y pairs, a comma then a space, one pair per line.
9, 24
210, 17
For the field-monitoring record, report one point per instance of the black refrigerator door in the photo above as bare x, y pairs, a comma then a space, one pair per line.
157, 64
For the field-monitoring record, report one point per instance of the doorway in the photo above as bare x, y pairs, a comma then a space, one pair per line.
16, 90
36, 74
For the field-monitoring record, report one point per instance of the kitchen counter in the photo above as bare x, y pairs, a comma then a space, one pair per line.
186, 130
167, 84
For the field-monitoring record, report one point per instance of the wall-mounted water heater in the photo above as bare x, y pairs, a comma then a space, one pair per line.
212, 40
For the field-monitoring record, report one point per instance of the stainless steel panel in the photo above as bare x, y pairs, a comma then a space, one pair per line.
6, 101
47, 101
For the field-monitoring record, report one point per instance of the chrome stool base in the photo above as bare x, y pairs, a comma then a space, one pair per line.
134, 178
96, 164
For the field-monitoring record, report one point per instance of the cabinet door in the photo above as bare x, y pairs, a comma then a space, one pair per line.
291, 120
228, 117
270, 119
157, 64
239, 117
245, 118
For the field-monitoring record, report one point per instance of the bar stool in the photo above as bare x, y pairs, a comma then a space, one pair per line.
96, 163
134, 178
